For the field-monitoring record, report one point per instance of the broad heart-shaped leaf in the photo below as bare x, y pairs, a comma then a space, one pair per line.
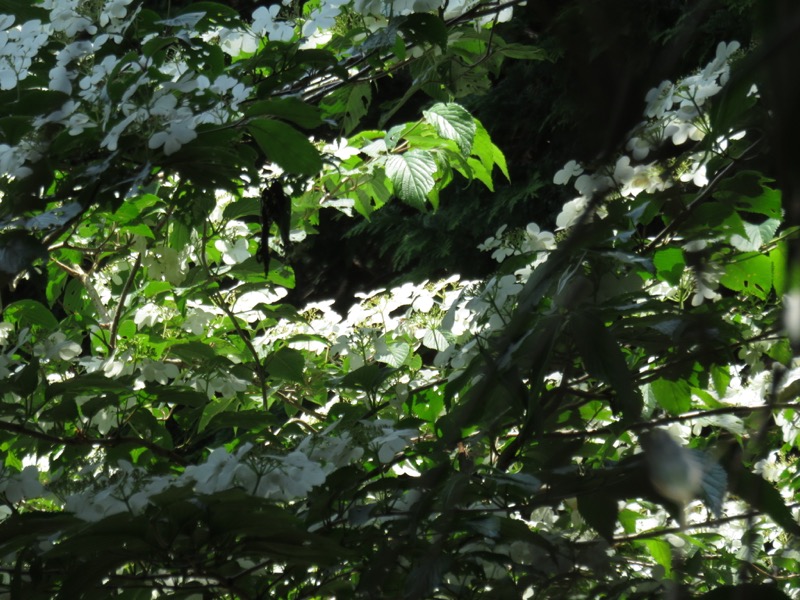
411, 174
453, 122
286, 146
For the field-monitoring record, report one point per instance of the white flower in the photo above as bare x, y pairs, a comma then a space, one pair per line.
233, 254
706, 284
587, 185
340, 149
571, 212
197, 320
215, 475
660, 99
61, 80
639, 147
570, 170
161, 372
67, 20
113, 12
6, 329
21, 485
323, 18
235, 42
148, 315
538, 240
769, 468
57, 346
176, 134
391, 442
264, 23
696, 173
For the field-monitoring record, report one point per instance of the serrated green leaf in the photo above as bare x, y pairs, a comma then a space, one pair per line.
453, 122
395, 354
500, 160
286, 146
411, 175
755, 235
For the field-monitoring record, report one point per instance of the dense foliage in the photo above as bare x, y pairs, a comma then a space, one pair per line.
176, 422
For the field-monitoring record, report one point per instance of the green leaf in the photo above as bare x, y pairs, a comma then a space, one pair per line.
214, 408
286, 146
778, 257
600, 512
752, 275
425, 27
412, 176
500, 160
287, 364
287, 109
604, 360
661, 551
522, 51
761, 495
245, 207
673, 396
395, 354
30, 313
453, 122
669, 265
194, 352
358, 101
369, 377
755, 235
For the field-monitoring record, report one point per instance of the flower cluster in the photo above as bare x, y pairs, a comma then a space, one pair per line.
674, 112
